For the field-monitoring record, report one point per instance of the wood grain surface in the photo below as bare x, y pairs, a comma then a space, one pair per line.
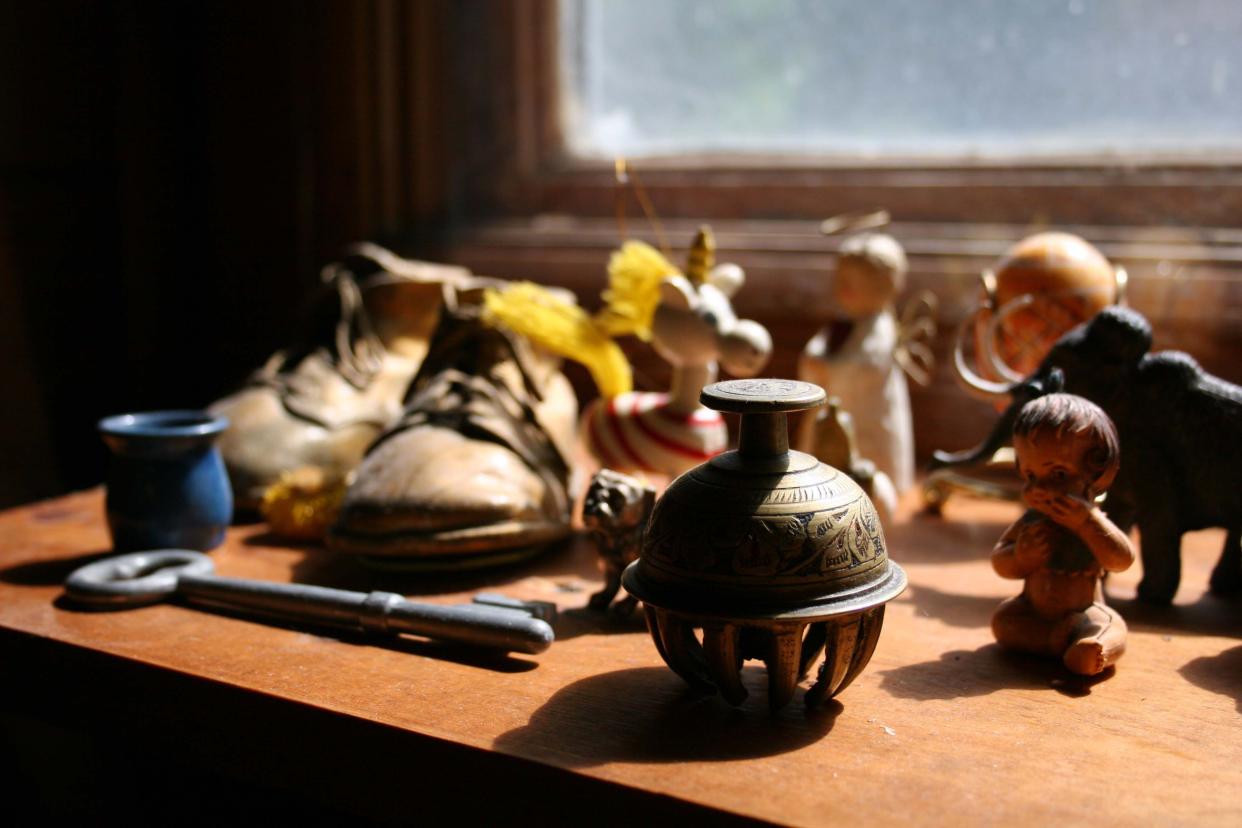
941, 728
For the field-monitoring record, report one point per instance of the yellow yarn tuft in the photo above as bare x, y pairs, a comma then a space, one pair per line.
562, 327
634, 275
302, 504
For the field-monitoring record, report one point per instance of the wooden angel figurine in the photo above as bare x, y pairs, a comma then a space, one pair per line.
1067, 453
861, 358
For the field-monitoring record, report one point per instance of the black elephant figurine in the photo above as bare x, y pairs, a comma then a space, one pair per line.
1181, 441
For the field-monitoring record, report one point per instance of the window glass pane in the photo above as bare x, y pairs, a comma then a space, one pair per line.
948, 78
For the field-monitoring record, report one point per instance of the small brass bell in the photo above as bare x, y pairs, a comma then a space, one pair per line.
772, 554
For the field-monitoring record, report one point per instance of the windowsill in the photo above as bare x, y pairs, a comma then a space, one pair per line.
1128, 191
944, 256
1187, 281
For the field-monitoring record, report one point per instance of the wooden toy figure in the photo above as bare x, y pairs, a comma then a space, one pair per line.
1067, 453
687, 316
860, 359
693, 327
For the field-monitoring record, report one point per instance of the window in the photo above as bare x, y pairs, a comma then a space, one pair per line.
956, 79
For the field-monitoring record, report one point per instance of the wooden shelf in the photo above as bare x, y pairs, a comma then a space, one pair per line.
942, 727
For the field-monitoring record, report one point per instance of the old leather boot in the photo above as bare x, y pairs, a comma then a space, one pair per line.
475, 472
323, 401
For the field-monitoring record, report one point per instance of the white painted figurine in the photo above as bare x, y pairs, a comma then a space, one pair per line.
862, 358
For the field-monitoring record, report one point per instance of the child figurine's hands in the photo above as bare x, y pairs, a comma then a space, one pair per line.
1069, 510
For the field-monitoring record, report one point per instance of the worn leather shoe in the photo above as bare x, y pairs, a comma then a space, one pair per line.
321, 402
475, 472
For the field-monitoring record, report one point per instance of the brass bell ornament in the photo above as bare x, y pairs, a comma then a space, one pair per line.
772, 554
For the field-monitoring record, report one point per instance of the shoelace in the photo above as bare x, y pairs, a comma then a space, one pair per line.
456, 389
342, 334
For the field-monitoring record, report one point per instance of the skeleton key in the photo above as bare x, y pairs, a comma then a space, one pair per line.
148, 577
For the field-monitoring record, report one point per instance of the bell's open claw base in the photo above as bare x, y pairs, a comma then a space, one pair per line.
712, 661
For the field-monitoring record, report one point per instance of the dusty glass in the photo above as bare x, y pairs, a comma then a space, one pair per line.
891, 78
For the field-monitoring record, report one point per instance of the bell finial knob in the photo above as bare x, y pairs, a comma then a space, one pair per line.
763, 404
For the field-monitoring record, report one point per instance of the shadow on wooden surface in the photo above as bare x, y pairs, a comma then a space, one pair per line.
323, 566
1209, 615
585, 621
48, 572
1221, 673
981, 672
667, 722
950, 607
269, 539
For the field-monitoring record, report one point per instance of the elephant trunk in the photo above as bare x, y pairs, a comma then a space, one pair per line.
1047, 382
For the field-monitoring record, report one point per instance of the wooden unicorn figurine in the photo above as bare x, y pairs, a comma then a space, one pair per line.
692, 327
689, 320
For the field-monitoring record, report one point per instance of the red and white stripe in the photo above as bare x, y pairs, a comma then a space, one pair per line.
637, 432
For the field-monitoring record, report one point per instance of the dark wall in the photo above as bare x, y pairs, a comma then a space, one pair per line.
172, 175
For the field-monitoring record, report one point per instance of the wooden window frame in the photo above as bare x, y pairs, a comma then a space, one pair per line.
530, 172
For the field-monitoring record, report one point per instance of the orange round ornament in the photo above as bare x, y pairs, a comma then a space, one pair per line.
1040, 288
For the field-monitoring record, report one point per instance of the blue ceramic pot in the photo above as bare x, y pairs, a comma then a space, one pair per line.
167, 486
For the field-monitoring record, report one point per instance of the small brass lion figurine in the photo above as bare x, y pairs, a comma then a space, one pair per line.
615, 511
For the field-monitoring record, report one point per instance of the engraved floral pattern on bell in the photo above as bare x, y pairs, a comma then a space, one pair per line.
799, 534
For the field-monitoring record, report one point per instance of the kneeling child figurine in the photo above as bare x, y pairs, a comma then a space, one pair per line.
1067, 454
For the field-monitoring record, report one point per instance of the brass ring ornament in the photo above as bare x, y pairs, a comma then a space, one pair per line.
1028, 300
988, 389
